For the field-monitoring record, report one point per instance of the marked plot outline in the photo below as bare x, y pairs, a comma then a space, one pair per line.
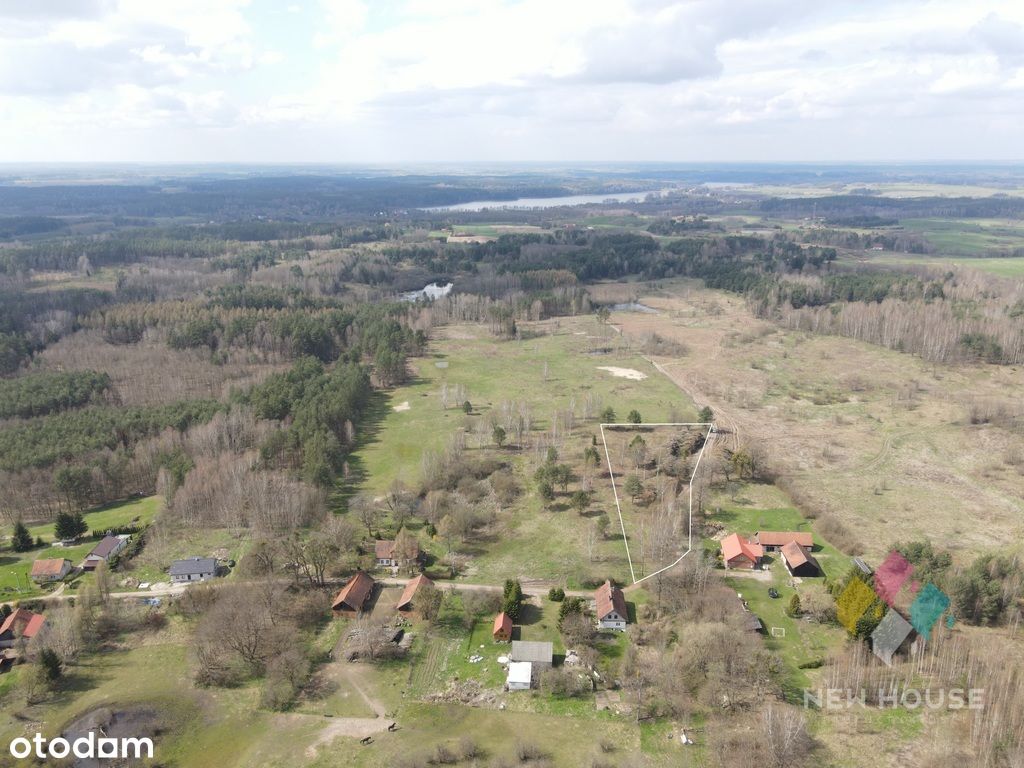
618, 505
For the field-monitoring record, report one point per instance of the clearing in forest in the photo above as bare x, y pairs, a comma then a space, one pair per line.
653, 469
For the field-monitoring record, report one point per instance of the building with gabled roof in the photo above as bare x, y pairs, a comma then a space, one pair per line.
737, 552
356, 593
193, 569
411, 586
776, 540
108, 547
21, 622
502, 631
610, 606
50, 569
799, 562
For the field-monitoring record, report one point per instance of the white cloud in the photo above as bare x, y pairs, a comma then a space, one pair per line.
508, 79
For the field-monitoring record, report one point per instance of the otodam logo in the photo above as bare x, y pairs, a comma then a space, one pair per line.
86, 747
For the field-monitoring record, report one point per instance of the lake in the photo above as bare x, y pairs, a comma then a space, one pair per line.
550, 202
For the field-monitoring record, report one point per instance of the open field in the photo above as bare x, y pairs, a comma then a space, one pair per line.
547, 373
1009, 266
856, 431
15, 566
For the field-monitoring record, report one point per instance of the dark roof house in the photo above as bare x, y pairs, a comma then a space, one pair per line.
193, 569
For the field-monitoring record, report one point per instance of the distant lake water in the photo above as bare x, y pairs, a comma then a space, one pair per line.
432, 291
634, 306
549, 202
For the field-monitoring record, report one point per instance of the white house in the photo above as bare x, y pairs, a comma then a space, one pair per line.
52, 569
520, 675
610, 606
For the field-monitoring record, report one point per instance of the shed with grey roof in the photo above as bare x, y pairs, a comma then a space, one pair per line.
889, 635
534, 651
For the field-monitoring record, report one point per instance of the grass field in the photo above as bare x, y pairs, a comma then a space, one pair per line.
15, 566
548, 372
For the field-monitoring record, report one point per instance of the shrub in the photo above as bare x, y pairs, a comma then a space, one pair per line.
556, 594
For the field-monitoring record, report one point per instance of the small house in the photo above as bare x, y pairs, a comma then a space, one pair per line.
20, 623
193, 569
405, 602
356, 593
773, 541
520, 676
539, 653
738, 553
386, 553
799, 562
610, 605
502, 632
108, 547
51, 569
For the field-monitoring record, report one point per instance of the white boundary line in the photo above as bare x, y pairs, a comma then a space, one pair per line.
615, 492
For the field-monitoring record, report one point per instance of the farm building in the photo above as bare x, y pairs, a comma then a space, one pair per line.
20, 623
520, 676
193, 569
739, 553
356, 593
502, 632
799, 562
540, 654
52, 569
405, 602
108, 547
773, 541
610, 605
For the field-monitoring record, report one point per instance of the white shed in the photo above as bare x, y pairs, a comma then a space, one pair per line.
520, 675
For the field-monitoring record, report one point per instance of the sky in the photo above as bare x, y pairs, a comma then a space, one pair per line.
510, 80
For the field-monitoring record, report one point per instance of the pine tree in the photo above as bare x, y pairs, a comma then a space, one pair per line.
70, 525
21, 541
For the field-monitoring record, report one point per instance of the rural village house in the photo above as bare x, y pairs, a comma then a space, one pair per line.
106, 549
773, 541
502, 632
405, 602
20, 623
356, 593
51, 569
737, 553
799, 562
388, 556
193, 569
610, 605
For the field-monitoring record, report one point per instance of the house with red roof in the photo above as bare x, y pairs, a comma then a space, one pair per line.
405, 602
354, 596
20, 623
773, 541
502, 632
51, 569
738, 553
610, 606
799, 562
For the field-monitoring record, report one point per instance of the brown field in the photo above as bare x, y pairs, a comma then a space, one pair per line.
875, 443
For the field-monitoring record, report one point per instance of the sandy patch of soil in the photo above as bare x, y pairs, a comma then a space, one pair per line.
623, 373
